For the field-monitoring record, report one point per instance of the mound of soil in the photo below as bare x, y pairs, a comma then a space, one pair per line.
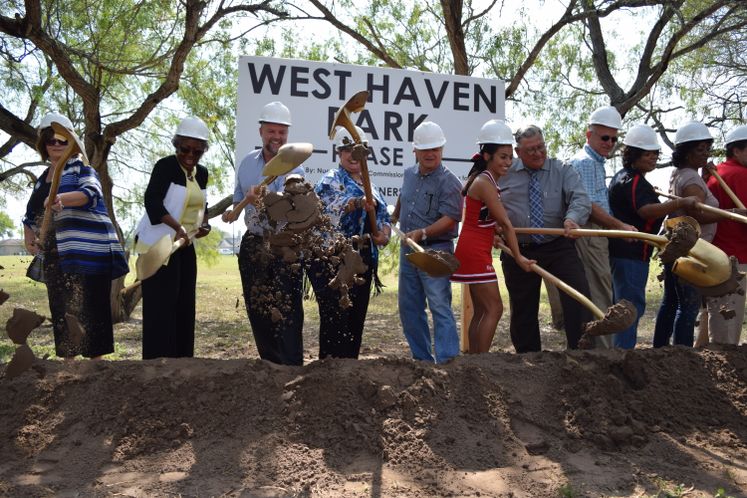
597, 423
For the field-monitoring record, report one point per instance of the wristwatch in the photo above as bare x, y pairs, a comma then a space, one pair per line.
206, 226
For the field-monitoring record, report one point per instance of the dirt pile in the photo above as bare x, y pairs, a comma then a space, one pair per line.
597, 423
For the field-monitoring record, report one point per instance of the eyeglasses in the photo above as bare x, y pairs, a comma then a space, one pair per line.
537, 149
607, 138
55, 141
189, 151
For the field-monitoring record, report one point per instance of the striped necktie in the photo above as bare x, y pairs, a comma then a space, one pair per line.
536, 207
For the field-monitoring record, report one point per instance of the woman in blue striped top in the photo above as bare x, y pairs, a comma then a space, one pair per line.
82, 254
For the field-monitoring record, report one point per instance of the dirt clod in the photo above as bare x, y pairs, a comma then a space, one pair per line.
20, 325
21, 361
619, 317
682, 237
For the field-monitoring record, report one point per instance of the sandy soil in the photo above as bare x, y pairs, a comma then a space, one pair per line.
606, 423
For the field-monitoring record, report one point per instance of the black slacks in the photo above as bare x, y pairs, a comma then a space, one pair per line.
560, 258
88, 298
169, 307
340, 329
273, 295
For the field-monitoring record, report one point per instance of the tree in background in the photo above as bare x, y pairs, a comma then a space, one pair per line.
7, 227
571, 64
107, 65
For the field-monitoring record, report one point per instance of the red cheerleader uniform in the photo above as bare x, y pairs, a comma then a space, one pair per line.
475, 245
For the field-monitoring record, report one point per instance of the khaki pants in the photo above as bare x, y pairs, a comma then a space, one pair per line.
714, 326
594, 254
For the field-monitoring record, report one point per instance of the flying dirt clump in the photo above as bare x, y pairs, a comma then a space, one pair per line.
297, 231
682, 237
619, 316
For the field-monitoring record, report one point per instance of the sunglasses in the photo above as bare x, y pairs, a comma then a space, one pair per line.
608, 138
55, 141
188, 151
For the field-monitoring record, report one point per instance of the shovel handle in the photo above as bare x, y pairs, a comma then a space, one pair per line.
414, 245
585, 301
710, 209
69, 152
656, 240
737, 202
244, 202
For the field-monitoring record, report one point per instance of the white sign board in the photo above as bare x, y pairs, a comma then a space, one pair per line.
399, 100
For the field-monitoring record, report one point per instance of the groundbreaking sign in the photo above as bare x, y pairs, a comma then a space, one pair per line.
398, 101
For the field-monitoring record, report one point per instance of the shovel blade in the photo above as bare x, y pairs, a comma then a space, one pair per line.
289, 156
148, 263
428, 263
357, 102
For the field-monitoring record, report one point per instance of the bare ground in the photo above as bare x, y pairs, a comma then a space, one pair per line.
668, 422
605, 423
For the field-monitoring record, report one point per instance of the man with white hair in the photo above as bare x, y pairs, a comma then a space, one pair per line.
731, 237
601, 137
277, 340
429, 210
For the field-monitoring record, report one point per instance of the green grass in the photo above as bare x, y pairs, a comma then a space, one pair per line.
223, 331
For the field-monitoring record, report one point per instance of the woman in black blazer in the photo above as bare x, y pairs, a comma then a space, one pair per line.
175, 206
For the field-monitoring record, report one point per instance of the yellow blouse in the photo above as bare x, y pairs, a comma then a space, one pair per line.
195, 203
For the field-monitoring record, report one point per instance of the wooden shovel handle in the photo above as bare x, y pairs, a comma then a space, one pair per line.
69, 152
414, 245
738, 203
655, 240
710, 209
585, 301
244, 202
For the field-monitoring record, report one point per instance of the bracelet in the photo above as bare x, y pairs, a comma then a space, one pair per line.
206, 226
424, 234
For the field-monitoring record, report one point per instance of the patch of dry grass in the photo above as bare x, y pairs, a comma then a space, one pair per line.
223, 328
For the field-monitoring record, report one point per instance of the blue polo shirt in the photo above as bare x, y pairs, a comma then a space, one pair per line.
426, 198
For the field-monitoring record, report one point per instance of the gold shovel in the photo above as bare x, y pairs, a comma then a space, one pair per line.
701, 264
150, 262
289, 157
74, 146
356, 103
709, 209
434, 263
619, 316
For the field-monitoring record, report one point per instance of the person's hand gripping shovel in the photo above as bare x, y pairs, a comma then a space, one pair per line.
289, 157
74, 147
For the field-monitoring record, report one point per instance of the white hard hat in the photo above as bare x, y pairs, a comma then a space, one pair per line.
495, 131
343, 138
428, 135
643, 137
736, 135
192, 128
275, 112
46, 121
606, 116
692, 131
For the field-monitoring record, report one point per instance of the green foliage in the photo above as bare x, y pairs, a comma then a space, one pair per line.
7, 227
207, 247
566, 491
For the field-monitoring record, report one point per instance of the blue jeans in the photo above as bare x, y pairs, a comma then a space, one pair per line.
415, 286
678, 311
629, 277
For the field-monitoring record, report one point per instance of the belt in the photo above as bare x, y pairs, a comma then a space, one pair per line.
536, 245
